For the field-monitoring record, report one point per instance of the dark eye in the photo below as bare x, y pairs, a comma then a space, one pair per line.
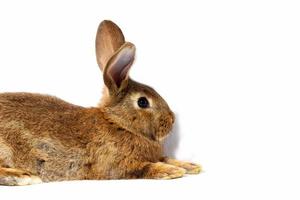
143, 102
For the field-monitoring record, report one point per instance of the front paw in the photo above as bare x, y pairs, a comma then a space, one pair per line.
161, 170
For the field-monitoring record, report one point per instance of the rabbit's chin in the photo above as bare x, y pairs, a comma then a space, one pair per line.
161, 139
162, 134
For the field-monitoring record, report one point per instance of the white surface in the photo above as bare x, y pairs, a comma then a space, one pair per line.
229, 69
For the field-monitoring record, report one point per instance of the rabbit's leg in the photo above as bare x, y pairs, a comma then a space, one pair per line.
17, 177
191, 168
162, 170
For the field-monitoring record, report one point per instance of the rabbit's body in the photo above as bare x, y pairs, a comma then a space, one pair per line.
46, 136
43, 138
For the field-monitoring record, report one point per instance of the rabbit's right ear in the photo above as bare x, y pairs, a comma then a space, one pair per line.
116, 72
108, 40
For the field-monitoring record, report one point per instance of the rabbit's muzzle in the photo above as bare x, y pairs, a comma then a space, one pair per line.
165, 126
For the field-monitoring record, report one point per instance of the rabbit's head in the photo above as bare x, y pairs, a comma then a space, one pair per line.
135, 107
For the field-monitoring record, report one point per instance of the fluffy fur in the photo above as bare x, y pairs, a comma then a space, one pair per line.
43, 138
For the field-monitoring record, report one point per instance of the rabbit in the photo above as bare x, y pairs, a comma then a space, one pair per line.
45, 139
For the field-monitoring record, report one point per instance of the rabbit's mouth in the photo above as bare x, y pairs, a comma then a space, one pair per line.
159, 135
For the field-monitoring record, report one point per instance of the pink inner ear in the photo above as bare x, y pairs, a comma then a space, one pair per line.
119, 68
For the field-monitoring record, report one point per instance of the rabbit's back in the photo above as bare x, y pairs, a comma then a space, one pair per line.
40, 133
34, 102
36, 111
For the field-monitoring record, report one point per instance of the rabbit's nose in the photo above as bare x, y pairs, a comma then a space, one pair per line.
172, 116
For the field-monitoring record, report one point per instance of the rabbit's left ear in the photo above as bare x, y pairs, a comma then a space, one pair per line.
117, 69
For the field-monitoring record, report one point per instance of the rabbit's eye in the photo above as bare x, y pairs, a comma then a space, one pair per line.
143, 102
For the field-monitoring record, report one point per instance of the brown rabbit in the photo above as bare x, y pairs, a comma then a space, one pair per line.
43, 138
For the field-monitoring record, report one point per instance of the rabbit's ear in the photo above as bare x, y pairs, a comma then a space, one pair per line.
108, 40
117, 69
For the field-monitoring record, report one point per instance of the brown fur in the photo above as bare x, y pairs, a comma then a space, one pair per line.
44, 137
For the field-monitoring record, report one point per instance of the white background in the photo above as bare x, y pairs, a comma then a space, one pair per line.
229, 70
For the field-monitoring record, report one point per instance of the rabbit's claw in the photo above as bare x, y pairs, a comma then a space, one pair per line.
191, 168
